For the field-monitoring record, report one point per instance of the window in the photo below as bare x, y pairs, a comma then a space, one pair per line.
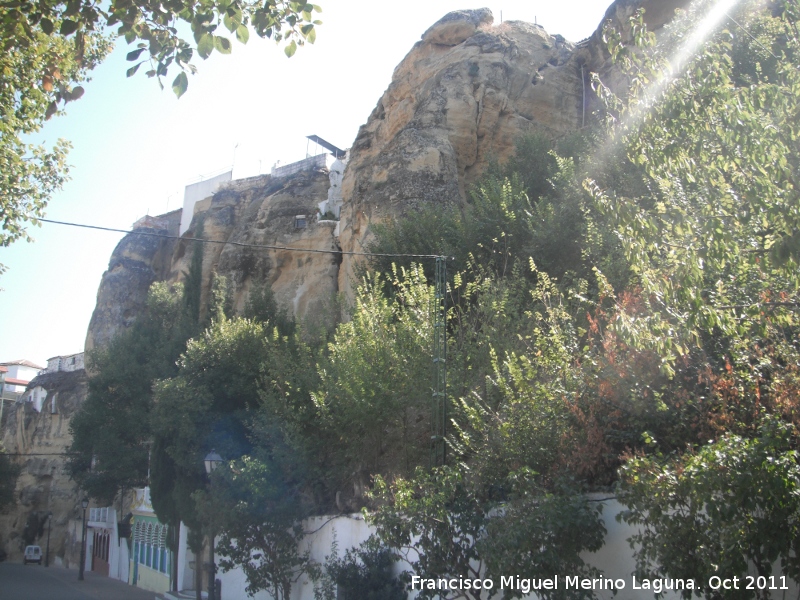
300, 222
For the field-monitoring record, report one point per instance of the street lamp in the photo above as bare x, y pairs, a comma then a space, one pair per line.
84, 504
211, 461
47, 551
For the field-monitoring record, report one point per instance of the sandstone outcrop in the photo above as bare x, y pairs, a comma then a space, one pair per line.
137, 261
248, 215
44, 486
462, 96
459, 99
256, 228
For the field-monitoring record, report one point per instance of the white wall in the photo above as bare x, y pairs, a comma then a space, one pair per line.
20, 372
185, 574
123, 560
319, 161
335, 191
70, 362
615, 559
195, 192
37, 396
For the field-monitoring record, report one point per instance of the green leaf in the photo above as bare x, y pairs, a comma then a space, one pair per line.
73, 6
229, 23
242, 34
205, 46
132, 70
46, 25
134, 54
180, 84
68, 27
223, 45
291, 49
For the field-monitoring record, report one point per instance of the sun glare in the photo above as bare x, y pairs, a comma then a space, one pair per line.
681, 58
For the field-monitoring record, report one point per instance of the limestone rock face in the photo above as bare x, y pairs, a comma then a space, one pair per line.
263, 211
137, 261
244, 214
461, 97
44, 484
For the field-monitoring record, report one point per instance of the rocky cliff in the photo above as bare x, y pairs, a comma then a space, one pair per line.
259, 222
460, 98
39, 440
137, 262
466, 91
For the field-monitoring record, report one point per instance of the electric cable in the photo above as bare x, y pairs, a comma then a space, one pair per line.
240, 244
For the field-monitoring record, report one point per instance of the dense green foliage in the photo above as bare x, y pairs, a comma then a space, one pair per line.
693, 508
617, 319
363, 573
111, 434
155, 28
714, 249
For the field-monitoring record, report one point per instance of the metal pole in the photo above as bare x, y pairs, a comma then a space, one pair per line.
583, 83
211, 570
47, 551
439, 412
83, 546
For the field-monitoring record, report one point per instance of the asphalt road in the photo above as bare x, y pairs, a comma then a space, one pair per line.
34, 582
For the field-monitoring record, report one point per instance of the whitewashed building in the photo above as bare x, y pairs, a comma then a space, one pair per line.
107, 552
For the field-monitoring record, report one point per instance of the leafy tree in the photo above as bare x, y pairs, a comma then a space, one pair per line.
258, 514
111, 431
287, 421
732, 504
713, 247
375, 381
717, 251
35, 77
157, 28
364, 573
541, 534
533, 207
204, 406
49, 47
434, 521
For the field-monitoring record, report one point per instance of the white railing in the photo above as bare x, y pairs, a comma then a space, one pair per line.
313, 162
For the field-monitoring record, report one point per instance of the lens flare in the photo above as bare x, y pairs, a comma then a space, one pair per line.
677, 62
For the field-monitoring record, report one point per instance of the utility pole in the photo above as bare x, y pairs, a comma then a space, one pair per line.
439, 401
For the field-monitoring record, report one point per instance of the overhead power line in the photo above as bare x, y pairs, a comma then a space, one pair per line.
241, 244
39, 453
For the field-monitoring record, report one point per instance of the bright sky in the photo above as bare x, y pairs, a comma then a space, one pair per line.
135, 147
